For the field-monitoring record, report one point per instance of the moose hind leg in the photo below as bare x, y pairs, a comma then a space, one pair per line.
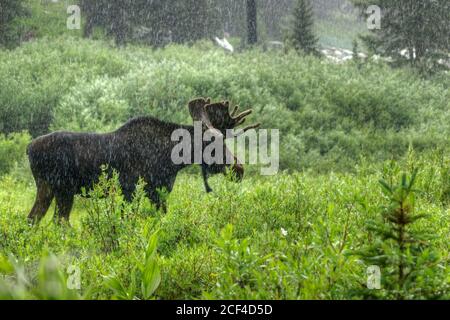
64, 204
44, 198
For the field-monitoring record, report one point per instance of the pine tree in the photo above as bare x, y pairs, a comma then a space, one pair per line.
412, 32
301, 33
410, 267
355, 51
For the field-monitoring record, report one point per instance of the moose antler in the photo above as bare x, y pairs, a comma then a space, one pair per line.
241, 118
222, 119
218, 116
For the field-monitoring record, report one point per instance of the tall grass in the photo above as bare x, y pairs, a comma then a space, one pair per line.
283, 237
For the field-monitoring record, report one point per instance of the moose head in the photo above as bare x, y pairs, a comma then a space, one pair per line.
217, 119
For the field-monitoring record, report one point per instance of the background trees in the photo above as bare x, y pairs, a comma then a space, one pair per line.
95, 13
412, 32
10, 11
153, 22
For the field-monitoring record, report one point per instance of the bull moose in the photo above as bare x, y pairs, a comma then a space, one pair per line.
64, 163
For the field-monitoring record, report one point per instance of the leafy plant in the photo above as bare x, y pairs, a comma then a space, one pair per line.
110, 218
50, 282
240, 263
12, 150
145, 276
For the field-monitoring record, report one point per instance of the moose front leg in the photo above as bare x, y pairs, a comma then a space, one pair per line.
158, 195
205, 179
64, 203
156, 198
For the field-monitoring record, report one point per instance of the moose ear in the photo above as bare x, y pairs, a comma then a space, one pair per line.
197, 108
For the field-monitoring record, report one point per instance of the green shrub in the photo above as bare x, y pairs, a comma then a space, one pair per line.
32, 82
12, 150
92, 106
188, 272
108, 212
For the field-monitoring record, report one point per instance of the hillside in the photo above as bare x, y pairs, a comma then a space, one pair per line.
329, 115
